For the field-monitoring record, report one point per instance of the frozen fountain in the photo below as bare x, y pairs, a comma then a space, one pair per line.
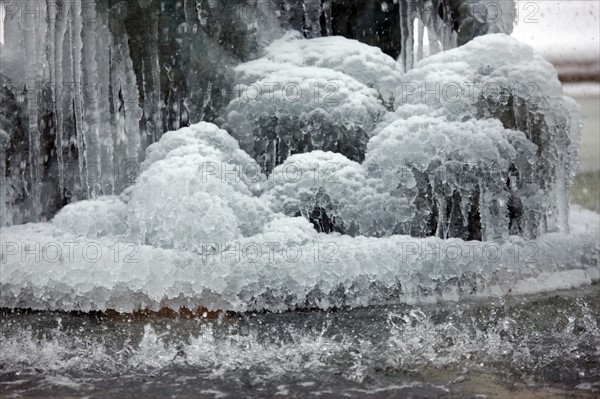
293, 197
437, 178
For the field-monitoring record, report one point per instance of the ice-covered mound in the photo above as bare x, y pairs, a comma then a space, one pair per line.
300, 109
463, 177
100, 217
367, 64
195, 187
337, 194
320, 186
495, 76
207, 140
423, 176
288, 265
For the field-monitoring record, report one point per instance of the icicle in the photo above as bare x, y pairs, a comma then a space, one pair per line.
420, 34
56, 34
207, 97
33, 80
328, 17
155, 95
192, 102
406, 29
4, 143
440, 31
448, 36
312, 18
125, 95
110, 171
91, 115
2, 17
76, 47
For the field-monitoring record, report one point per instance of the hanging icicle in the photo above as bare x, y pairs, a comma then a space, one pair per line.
33, 32
407, 18
312, 18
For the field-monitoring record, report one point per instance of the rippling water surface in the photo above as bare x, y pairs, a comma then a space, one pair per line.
545, 345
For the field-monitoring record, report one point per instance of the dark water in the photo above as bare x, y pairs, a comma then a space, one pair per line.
544, 346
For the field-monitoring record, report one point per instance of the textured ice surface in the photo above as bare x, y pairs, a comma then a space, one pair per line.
86, 87
317, 182
468, 154
199, 234
294, 102
339, 195
195, 187
104, 216
461, 176
203, 139
288, 265
497, 77
367, 64
450, 185
422, 176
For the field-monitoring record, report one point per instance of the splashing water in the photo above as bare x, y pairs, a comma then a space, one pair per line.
519, 343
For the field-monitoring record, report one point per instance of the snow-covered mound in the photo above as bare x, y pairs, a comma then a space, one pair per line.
477, 194
316, 184
337, 194
303, 95
422, 176
207, 140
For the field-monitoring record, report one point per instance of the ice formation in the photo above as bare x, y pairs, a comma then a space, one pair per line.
494, 76
300, 109
461, 176
449, 23
101, 217
287, 266
87, 87
367, 64
199, 183
339, 195
458, 189
429, 182
323, 187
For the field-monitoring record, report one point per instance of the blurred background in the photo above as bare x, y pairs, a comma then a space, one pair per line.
567, 34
